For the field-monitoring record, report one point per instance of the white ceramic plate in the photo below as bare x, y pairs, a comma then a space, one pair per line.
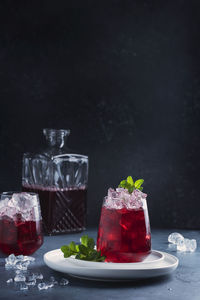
160, 263
155, 256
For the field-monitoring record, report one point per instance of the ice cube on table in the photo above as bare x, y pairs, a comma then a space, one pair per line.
20, 271
31, 277
64, 281
193, 245
20, 257
11, 260
19, 277
19, 262
187, 245
175, 237
181, 245
42, 286
34, 276
52, 280
50, 284
23, 287
31, 282
38, 276
22, 265
28, 258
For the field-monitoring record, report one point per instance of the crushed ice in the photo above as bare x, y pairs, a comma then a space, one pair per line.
19, 264
121, 198
178, 242
64, 281
20, 206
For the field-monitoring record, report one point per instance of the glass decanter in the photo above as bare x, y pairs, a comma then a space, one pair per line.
60, 179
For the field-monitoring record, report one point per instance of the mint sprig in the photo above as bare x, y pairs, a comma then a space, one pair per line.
130, 185
83, 251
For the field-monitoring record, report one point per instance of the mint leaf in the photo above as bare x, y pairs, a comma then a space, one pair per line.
80, 256
138, 183
87, 242
92, 256
123, 184
66, 250
83, 251
91, 243
130, 180
130, 188
84, 240
130, 185
72, 247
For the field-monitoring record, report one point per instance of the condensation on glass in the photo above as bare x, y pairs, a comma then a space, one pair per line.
60, 178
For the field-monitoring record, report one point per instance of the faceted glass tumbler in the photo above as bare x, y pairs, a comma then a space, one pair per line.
20, 223
124, 234
60, 179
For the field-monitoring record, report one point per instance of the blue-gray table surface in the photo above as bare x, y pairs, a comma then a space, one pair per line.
183, 283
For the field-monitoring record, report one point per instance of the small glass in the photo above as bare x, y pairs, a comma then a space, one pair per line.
124, 234
20, 223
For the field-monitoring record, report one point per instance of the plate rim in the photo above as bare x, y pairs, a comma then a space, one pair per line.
173, 265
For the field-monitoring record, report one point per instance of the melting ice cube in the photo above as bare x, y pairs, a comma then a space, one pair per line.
23, 287
28, 258
22, 265
175, 237
64, 281
52, 280
187, 245
31, 282
193, 245
11, 260
19, 277
44, 286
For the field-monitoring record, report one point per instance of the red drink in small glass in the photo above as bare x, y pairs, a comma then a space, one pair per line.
20, 237
124, 234
20, 227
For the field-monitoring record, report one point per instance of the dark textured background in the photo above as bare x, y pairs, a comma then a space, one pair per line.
124, 76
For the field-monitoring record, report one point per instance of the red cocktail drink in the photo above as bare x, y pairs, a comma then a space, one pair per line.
20, 237
20, 223
124, 232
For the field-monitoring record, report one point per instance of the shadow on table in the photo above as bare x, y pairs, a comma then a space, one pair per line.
74, 281
120, 284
